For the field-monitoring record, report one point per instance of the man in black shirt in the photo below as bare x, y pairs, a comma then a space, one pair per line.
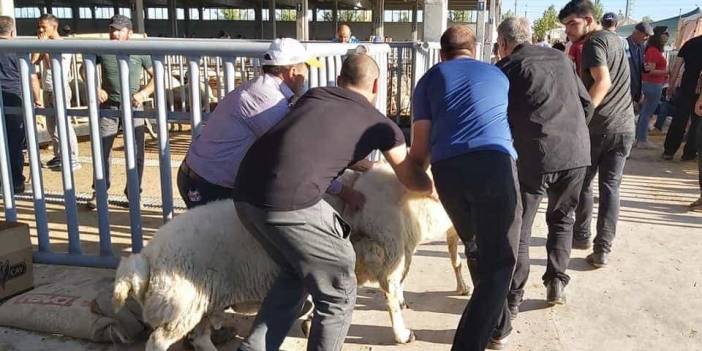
553, 144
607, 77
278, 194
12, 97
690, 54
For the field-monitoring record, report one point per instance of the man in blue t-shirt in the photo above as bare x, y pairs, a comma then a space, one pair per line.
460, 123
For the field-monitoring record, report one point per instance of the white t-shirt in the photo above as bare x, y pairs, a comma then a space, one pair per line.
47, 82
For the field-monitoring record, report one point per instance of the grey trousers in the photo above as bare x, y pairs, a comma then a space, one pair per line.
109, 128
52, 127
313, 250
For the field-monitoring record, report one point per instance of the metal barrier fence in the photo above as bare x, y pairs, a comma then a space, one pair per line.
406, 64
229, 57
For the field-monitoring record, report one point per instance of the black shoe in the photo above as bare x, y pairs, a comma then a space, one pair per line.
497, 344
513, 311
91, 204
555, 293
688, 157
667, 157
18, 189
597, 259
53, 163
582, 244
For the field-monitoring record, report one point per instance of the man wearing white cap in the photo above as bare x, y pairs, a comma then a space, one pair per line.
245, 114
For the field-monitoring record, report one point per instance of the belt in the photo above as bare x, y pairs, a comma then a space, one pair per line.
190, 173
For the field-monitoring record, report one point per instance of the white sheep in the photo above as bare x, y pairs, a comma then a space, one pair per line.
204, 261
386, 233
197, 265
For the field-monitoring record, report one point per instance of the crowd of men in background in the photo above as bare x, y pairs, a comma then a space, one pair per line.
538, 123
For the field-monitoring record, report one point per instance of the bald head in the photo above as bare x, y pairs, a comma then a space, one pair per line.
457, 41
343, 33
359, 71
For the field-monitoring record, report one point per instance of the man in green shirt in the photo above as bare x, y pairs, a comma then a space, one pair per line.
110, 97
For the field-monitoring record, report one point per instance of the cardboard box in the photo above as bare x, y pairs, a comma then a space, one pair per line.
16, 273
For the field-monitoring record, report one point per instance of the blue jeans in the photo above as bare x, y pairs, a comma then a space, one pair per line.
652, 96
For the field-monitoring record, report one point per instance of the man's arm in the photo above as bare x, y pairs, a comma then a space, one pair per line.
409, 171
139, 97
36, 91
584, 96
102, 94
674, 72
600, 87
420, 149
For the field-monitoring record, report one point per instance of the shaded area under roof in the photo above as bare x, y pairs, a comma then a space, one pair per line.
344, 4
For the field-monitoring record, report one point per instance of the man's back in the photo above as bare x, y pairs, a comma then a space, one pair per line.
9, 74
466, 101
691, 53
291, 166
615, 113
239, 119
546, 110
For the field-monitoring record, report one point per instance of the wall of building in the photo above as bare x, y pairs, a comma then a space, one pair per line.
247, 29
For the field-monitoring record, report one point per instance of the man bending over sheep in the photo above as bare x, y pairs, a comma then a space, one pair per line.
210, 167
278, 194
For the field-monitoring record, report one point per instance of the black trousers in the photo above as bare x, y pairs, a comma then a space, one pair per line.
684, 112
197, 191
608, 154
14, 124
16, 140
480, 193
563, 191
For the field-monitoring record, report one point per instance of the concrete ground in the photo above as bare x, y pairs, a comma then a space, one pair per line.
649, 298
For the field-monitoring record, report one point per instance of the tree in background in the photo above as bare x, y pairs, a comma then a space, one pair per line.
599, 10
547, 22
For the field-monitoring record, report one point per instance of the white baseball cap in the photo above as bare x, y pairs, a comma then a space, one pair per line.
288, 51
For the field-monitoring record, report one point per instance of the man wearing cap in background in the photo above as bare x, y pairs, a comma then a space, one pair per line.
634, 48
609, 22
110, 97
242, 116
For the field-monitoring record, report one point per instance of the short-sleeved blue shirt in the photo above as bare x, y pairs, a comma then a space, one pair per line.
466, 101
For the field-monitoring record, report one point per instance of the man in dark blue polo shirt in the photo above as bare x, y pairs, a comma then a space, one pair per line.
12, 97
460, 108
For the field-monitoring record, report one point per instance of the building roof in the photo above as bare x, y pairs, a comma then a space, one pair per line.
671, 23
344, 4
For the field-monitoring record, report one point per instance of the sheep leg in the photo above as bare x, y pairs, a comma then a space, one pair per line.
163, 337
401, 296
456, 263
393, 296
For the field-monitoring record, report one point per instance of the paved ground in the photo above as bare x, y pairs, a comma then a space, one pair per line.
650, 298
